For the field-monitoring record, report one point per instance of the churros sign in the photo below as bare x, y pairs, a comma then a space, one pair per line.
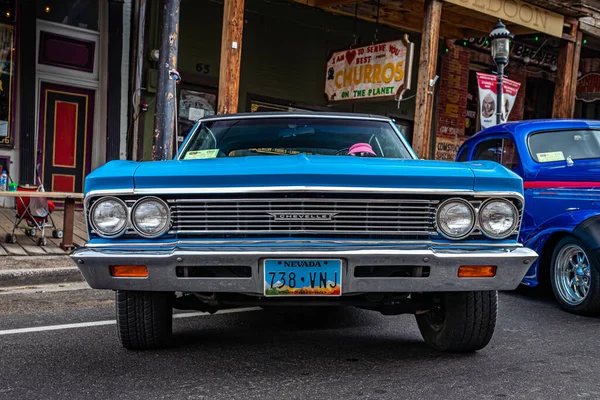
380, 71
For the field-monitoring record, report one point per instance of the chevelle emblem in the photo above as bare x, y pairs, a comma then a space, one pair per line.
303, 216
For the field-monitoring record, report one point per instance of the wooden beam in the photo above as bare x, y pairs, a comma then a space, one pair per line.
405, 22
427, 70
231, 55
574, 73
564, 95
457, 20
330, 3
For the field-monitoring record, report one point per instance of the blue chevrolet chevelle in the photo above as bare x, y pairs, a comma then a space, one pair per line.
311, 210
559, 161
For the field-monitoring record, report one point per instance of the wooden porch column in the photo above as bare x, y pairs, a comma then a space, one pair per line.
231, 54
566, 79
427, 71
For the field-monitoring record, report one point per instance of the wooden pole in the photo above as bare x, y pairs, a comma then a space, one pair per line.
164, 126
68, 222
427, 71
564, 95
231, 54
574, 74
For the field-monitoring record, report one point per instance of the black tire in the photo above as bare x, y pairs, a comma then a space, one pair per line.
460, 322
591, 305
144, 319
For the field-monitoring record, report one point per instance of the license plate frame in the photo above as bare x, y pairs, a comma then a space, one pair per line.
307, 272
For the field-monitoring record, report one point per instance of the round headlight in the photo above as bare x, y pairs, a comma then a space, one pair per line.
498, 218
455, 218
108, 216
151, 217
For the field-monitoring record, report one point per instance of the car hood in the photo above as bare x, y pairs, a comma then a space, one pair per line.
302, 170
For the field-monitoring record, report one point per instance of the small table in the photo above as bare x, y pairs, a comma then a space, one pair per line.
69, 211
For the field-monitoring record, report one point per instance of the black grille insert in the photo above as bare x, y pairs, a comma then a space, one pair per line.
391, 271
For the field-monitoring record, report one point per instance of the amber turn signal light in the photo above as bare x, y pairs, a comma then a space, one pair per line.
129, 271
477, 271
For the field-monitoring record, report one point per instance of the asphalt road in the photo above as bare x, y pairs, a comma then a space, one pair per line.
538, 352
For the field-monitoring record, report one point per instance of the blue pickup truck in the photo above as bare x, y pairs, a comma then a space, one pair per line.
307, 210
559, 161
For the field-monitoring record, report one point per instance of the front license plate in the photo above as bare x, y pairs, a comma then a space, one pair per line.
303, 277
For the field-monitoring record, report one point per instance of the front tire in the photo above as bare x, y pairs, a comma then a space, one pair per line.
460, 322
144, 319
575, 280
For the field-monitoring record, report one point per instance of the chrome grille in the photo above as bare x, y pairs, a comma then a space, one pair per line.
304, 214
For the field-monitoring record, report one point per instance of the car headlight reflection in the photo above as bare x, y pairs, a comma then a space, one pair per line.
498, 218
455, 218
151, 217
108, 216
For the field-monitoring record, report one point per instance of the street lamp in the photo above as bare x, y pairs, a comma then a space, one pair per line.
500, 38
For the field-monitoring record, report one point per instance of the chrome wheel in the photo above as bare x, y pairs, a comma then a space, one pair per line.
572, 274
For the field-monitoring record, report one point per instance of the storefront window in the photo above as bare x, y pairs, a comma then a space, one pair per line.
193, 105
6, 83
79, 13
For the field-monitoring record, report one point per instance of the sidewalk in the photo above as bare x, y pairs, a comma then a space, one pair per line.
27, 264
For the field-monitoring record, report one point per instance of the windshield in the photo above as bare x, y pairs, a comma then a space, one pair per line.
562, 145
290, 136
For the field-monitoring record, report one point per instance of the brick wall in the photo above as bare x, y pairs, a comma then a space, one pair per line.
452, 96
452, 101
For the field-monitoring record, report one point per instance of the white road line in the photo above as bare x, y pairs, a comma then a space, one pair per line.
112, 322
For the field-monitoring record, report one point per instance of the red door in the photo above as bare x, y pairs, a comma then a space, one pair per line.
65, 136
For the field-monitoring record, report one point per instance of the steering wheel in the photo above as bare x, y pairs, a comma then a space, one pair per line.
344, 150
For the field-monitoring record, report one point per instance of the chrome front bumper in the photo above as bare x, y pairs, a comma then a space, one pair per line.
444, 263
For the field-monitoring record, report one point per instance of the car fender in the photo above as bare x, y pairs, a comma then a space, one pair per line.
588, 232
565, 224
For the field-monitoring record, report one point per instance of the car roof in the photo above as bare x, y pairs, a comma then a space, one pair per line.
297, 114
521, 129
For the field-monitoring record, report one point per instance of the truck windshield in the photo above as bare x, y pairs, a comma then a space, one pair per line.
562, 145
290, 136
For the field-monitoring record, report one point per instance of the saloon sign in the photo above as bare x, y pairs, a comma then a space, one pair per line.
518, 12
381, 71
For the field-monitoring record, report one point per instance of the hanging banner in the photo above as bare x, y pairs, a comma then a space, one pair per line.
588, 87
488, 97
381, 71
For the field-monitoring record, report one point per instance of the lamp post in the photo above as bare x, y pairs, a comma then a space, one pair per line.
500, 38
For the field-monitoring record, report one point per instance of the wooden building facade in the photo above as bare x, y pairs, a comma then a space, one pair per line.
255, 55
64, 89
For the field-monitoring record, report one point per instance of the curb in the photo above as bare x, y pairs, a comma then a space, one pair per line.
39, 276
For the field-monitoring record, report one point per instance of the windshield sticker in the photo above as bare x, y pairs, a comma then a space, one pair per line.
551, 156
200, 154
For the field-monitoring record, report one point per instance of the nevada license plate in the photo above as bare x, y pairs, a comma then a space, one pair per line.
303, 277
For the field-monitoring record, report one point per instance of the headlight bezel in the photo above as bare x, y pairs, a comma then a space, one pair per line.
134, 225
438, 219
513, 228
93, 222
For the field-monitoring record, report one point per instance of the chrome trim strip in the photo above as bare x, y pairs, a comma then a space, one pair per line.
180, 243
296, 115
268, 189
